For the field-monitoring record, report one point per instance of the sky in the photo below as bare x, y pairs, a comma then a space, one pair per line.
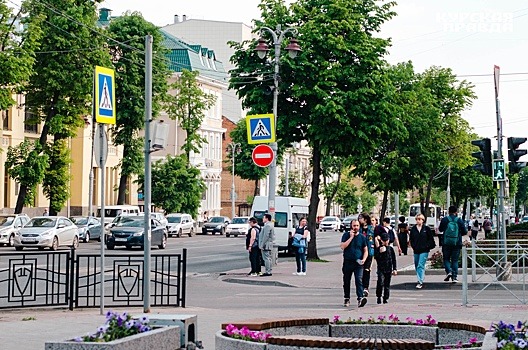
469, 36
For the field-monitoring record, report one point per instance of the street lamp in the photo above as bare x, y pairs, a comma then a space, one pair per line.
262, 49
233, 147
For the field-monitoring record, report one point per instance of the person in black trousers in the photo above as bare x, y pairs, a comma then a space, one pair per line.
386, 262
403, 235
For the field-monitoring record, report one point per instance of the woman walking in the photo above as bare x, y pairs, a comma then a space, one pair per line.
422, 241
301, 236
403, 234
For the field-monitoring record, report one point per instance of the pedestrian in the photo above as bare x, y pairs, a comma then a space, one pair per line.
367, 230
453, 228
437, 231
385, 227
355, 253
45, 213
403, 234
422, 241
386, 263
266, 238
252, 247
301, 239
474, 229
374, 221
487, 225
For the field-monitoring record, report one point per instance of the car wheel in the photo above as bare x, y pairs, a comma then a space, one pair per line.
179, 233
11, 239
128, 247
98, 239
86, 237
40, 248
228, 235
55, 244
110, 246
75, 244
163, 244
19, 248
191, 232
236, 235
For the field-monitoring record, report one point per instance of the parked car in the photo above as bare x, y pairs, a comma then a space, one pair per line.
160, 217
238, 226
216, 224
89, 227
129, 232
9, 225
345, 223
524, 219
47, 231
179, 224
330, 223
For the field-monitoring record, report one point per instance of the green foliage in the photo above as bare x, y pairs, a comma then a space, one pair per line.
368, 201
297, 185
347, 197
129, 64
56, 183
176, 187
465, 184
522, 187
26, 164
188, 106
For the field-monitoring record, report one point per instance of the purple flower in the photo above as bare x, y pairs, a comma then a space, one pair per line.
473, 340
381, 318
144, 319
409, 320
419, 322
129, 324
245, 332
230, 328
336, 318
519, 324
78, 339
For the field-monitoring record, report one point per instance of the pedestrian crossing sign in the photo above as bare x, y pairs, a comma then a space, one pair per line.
260, 128
104, 101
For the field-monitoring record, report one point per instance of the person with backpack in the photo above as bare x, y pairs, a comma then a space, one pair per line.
487, 225
300, 244
453, 228
252, 247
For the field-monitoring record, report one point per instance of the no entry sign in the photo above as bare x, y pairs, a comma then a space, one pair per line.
262, 155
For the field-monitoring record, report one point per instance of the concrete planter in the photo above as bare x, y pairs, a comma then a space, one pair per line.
223, 342
386, 331
164, 338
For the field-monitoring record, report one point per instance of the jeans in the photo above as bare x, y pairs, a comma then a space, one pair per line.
419, 264
351, 267
300, 259
366, 272
451, 254
266, 256
254, 258
383, 285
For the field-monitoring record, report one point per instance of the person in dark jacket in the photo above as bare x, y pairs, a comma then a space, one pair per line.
403, 235
422, 241
451, 253
252, 247
367, 230
386, 262
355, 252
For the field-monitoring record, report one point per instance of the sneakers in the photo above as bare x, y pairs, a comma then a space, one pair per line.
378, 300
346, 303
299, 273
362, 302
454, 280
448, 277
265, 274
365, 292
259, 273
385, 301
419, 286
254, 274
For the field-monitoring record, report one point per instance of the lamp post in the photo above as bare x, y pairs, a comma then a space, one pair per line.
233, 147
293, 49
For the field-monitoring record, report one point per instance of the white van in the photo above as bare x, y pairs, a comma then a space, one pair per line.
432, 219
113, 211
288, 212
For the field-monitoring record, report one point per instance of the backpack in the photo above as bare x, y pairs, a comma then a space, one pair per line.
475, 223
451, 232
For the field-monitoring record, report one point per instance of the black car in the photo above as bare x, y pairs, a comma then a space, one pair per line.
216, 224
345, 223
129, 232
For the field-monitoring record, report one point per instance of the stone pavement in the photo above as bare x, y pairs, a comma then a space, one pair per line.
28, 329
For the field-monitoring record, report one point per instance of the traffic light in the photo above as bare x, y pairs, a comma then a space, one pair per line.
484, 156
514, 154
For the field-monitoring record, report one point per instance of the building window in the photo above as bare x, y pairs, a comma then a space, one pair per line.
212, 147
30, 125
6, 122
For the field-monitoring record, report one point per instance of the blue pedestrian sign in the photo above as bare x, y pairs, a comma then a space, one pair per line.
260, 128
104, 101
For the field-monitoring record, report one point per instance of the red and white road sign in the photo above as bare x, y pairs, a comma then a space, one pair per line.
262, 155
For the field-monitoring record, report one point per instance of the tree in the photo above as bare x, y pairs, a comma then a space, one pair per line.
59, 92
245, 168
19, 37
330, 94
129, 63
26, 164
188, 106
297, 182
176, 187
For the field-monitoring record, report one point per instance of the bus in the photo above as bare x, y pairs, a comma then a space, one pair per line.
432, 217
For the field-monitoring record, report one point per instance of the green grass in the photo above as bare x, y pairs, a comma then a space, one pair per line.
318, 260
30, 318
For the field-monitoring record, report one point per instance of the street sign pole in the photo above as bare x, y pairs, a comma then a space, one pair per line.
101, 157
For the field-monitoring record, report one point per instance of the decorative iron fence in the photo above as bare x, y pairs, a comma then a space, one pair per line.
64, 278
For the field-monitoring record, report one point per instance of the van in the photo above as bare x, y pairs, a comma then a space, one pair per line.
113, 211
433, 216
288, 213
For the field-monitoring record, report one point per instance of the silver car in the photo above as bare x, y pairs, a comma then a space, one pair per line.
9, 225
89, 227
47, 231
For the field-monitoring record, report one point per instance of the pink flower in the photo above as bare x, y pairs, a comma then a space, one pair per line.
409, 319
473, 340
245, 332
230, 329
336, 318
381, 318
420, 322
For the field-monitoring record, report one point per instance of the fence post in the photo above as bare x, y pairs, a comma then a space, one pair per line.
183, 277
473, 261
72, 278
464, 276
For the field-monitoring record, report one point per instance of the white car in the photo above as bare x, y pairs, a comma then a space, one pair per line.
238, 226
160, 217
178, 224
330, 223
47, 231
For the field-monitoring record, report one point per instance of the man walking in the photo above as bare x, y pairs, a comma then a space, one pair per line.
265, 239
355, 252
453, 229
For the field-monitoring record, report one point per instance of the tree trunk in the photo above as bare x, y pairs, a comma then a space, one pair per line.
328, 205
330, 199
384, 205
314, 201
122, 189
256, 191
20, 199
464, 208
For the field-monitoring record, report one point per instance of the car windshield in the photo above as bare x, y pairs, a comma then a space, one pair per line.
239, 221
129, 222
329, 219
41, 222
217, 219
6, 220
79, 221
174, 219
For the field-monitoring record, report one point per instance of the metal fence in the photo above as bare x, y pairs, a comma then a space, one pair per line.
493, 272
64, 278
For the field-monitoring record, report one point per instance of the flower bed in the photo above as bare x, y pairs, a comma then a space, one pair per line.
511, 337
